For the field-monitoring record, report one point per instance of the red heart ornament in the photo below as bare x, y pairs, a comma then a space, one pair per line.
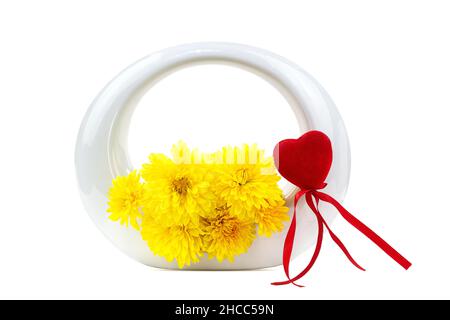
305, 161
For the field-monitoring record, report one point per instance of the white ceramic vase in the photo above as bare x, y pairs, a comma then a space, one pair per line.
102, 154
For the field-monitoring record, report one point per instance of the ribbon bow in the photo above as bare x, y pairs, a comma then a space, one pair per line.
306, 162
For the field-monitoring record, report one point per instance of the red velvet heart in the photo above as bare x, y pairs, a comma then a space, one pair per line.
305, 161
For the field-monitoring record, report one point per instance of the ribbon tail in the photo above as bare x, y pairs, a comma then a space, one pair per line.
289, 244
334, 237
383, 245
289, 241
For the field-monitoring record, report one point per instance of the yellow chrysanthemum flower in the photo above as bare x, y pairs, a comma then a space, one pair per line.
226, 236
246, 189
271, 219
178, 193
126, 196
180, 242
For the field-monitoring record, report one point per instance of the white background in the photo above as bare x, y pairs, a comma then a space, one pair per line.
385, 63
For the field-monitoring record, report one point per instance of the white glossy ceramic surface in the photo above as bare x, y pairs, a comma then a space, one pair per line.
101, 151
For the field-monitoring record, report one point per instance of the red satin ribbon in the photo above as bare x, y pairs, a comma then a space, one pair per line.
314, 205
